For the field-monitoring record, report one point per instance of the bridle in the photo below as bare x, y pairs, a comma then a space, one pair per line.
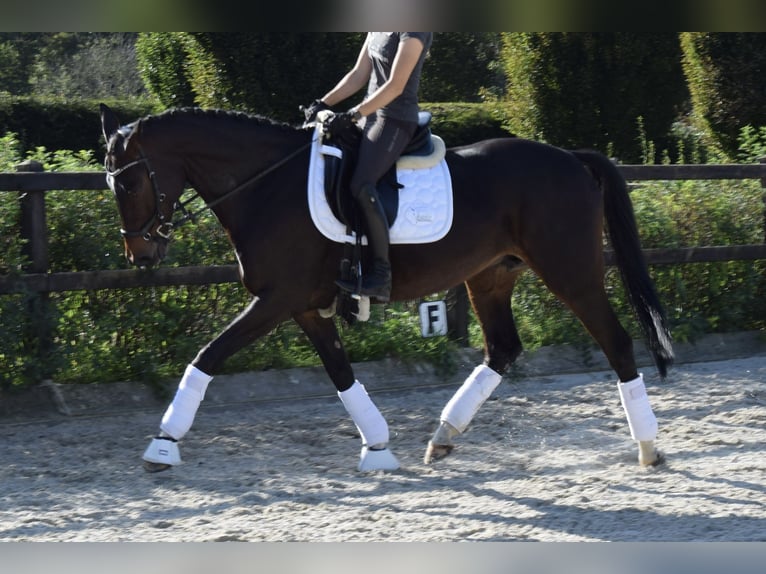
165, 228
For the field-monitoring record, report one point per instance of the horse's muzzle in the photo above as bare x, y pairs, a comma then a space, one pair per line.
145, 254
143, 262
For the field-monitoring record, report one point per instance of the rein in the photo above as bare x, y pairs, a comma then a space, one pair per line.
165, 228
191, 216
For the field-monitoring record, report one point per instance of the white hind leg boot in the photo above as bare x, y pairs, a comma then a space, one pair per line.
635, 402
460, 410
465, 403
641, 420
372, 426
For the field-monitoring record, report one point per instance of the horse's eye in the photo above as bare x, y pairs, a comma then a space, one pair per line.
128, 185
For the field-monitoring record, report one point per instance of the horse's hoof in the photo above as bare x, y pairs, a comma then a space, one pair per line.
437, 452
161, 454
378, 459
656, 460
156, 466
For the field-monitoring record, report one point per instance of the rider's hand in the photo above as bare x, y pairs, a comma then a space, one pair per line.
313, 109
339, 123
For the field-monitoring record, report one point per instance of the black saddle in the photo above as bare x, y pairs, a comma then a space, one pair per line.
337, 173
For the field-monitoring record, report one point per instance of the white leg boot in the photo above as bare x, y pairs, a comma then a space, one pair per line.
372, 426
177, 420
460, 410
641, 419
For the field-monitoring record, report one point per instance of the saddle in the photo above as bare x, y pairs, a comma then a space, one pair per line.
339, 167
339, 154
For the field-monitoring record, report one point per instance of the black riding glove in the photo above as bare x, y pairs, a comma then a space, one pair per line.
339, 123
313, 109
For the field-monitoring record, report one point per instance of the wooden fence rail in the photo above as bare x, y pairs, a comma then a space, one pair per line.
31, 183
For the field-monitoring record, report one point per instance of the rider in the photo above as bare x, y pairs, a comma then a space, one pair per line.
390, 64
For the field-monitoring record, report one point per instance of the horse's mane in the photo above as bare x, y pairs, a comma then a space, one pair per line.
234, 116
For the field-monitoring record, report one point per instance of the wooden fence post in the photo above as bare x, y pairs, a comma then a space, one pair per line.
34, 229
457, 314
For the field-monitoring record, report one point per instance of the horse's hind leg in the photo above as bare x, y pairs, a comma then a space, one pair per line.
598, 317
369, 421
583, 292
490, 293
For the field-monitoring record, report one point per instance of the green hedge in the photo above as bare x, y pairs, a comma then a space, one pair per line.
57, 124
724, 71
590, 89
460, 123
267, 73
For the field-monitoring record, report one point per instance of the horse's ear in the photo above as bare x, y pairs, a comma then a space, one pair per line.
109, 122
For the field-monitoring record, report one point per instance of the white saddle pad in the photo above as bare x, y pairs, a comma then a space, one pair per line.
425, 201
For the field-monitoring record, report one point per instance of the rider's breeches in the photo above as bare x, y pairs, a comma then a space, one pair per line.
383, 141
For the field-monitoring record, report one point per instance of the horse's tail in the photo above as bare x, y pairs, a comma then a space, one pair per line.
623, 235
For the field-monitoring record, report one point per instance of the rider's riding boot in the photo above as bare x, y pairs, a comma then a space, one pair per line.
376, 282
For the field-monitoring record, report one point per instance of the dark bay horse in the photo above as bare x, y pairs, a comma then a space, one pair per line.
518, 205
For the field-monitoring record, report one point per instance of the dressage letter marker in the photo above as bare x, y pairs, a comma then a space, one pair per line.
433, 318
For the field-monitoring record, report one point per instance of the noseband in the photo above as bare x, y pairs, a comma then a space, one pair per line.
164, 228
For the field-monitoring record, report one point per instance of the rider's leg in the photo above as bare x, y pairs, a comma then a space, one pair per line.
376, 281
382, 143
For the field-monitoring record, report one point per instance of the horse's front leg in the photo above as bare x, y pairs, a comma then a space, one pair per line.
369, 421
258, 319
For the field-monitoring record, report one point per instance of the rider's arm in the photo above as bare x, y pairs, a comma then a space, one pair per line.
352, 82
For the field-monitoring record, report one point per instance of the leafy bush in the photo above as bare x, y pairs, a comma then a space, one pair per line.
577, 89
712, 297
11, 260
87, 65
161, 61
10, 63
14, 317
265, 73
724, 74
62, 124
461, 67
461, 124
